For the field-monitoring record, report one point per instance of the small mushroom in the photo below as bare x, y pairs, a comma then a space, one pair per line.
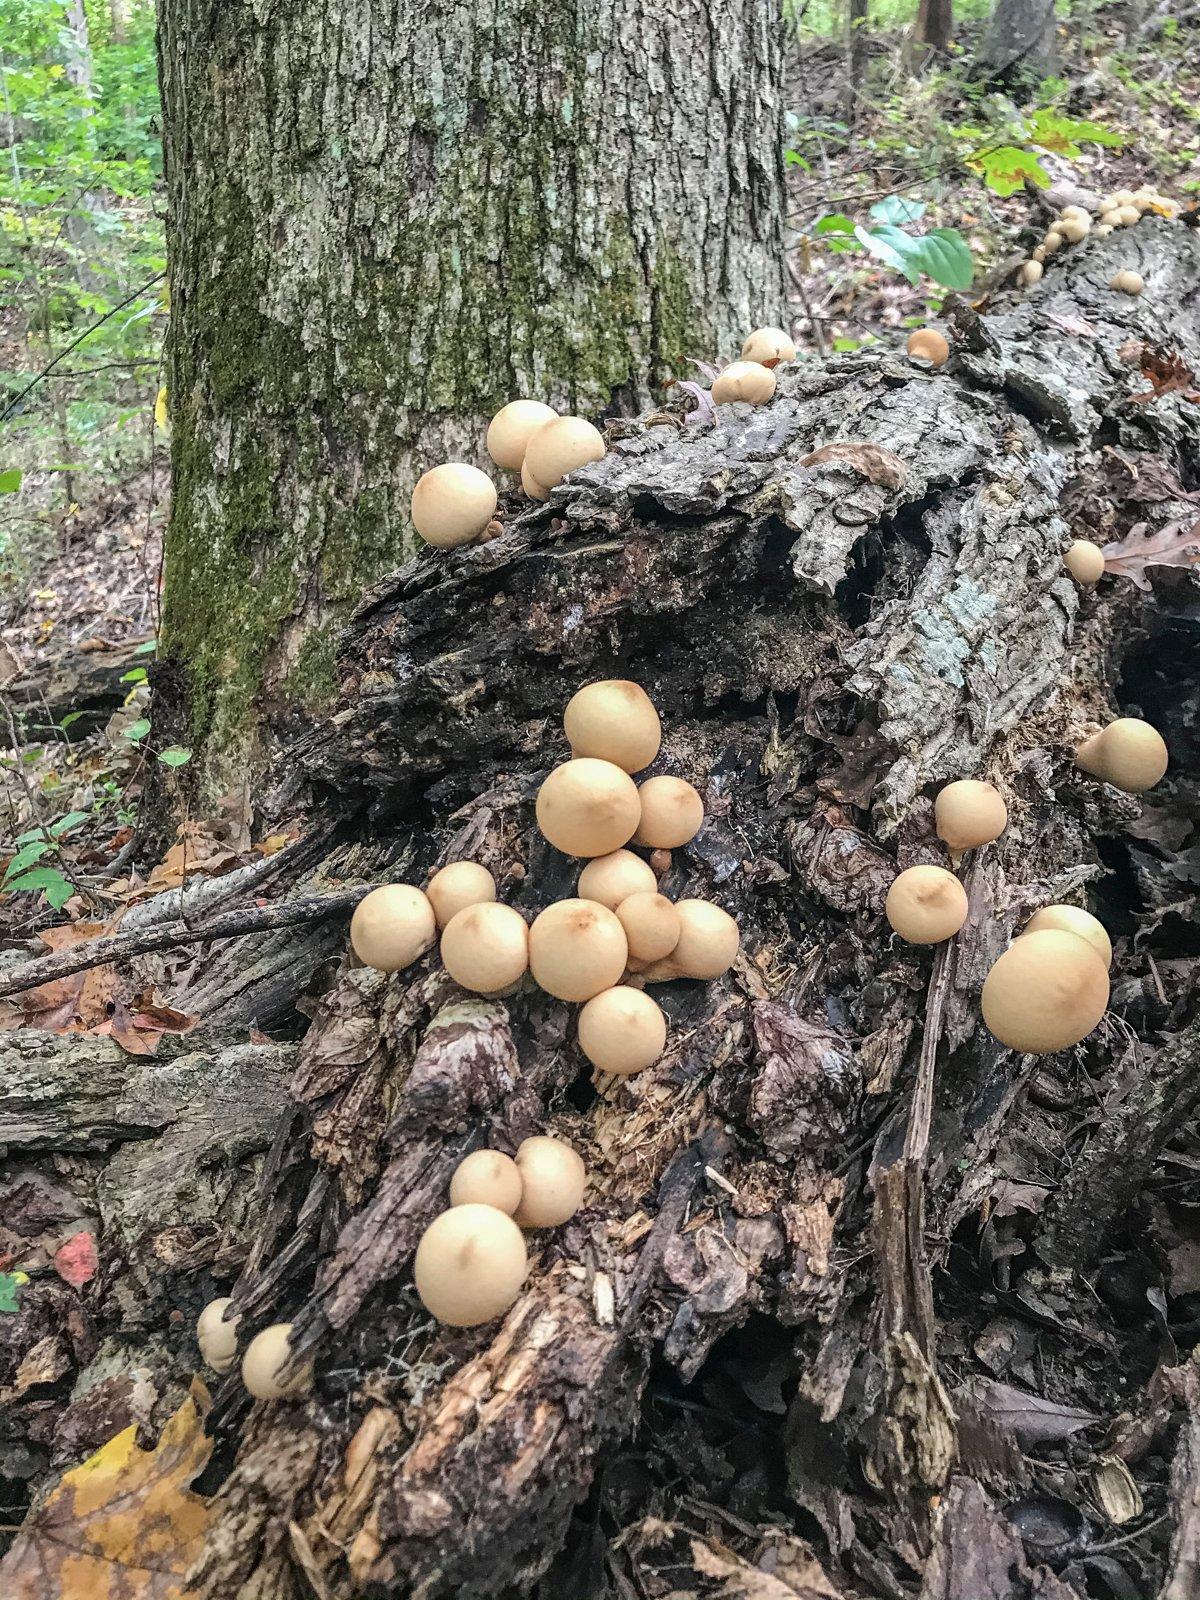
928, 345
453, 504
470, 1265
553, 1178
531, 486
671, 812
743, 380
485, 948
969, 813
615, 721
560, 447
1129, 754
1084, 561
457, 886
651, 926
1123, 197
510, 429
612, 878
926, 905
1046, 992
1128, 215
1075, 229
1127, 281
1053, 242
217, 1337
266, 1356
588, 807
1031, 273
392, 926
577, 948
768, 346
621, 1030
708, 944
1076, 212
1038, 253
486, 1178
1073, 919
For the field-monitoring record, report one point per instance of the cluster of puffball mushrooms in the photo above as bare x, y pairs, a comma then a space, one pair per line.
456, 503
597, 949
1073, 223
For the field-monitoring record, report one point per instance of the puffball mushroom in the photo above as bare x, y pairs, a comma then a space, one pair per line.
1052, 242
510, 430
470, 1265
927, 344
969, 813
561, 446
1038, 254
708, 944
485, 947
1075, 228
1046, 992
768, 346
588, 807
651, 926
1127, 215
612, 878
926, 905
1129, 754
1076, 211
577, 948
1073, 919
392, 926
486, 1178
1031, 273
615, 721
621, 1030
1102, 230
553, 1178
531, 486
1084, 561
216, 1337
671, 813
453, 504
457, 886
266, 1355
743, 380
1127, 281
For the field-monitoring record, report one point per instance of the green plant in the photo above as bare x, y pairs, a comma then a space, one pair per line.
941, 254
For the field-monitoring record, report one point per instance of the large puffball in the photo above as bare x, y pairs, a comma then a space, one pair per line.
622, 1031
470, 1265
510, 430
457, 886
926, 905
392, 926
968, 813
613, 720
1046, 992
485, 948
577, 948
560, 447
453, 504
553, 1178
588, 807
614, 877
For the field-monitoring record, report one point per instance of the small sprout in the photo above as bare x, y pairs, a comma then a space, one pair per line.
1128, 215
615, 721
487, 1178
969, 813
453, 504
612, 878
1127, 281
671, 813
531, 486
510, 429
926, 905
470, 1265
561, 446
553, 1178
588, 807
768, 346
1031, 273
1129, 754
1084, 561
707, 947
577, 948
457, 886
1075, 229
266, 1355
485, 948
928, 345
216, 1337
1073, 919
622, 1031
392, 926
651, 926
1046, 992
743, 380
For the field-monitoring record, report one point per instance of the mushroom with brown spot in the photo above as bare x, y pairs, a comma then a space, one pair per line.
707, 947
612, 878
262, 1365
928, 345
926, 905
671, 812
1046, 992
968, 813
485, 948
487, 1178
577, 948
458, 885
470, 1265
588, 807
1073, 919
743, 380
768, 346
622, 1031
1129, 754
392, 926
651, 926
613, 720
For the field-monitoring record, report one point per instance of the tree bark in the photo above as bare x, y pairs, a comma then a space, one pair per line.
935, 24
1019, 41
386, 221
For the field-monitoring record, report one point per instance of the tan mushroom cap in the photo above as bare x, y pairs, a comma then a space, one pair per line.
458, 885
651, 926
769, 346
577, 948
613, 720
969, 813
1031, 273
470, 1265
453, 504
560, 447
262, 1365
1127, 282
1046, 992
510, 429
588, 807
1073, 919
744, 380
612, 878
1075, 228
392, 926
216, 1337
485, 948
531, 486
1084, 561
1129, 754
709, 939
926, 905
622, 1031
927, 344
487, 1178
553, 1178
670, 813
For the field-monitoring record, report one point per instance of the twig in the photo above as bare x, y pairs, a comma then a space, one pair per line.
233, 925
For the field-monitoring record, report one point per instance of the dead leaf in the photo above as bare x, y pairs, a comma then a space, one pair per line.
1175, 544
124, 1525
1165, 370
1032, 1419
76, 1261
1116, 1493
875, 463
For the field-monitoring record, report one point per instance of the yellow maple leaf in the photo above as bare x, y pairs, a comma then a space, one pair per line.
124, 1525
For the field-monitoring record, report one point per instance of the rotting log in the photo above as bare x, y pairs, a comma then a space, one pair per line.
838, 602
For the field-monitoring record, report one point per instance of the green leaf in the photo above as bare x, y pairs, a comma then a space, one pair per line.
10, 481
896, 209
176, 756
134, 675
1005, 170
1060, 135
793, 158
65, 824
836, 233
71, 716
941, 254
54, 886
11, 1284
147, 647
26, 856
136, 730
884, 250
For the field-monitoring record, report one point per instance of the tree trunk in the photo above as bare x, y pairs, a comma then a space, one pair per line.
859, 22
1019, 42
795, 1296
386, 221
935, 24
